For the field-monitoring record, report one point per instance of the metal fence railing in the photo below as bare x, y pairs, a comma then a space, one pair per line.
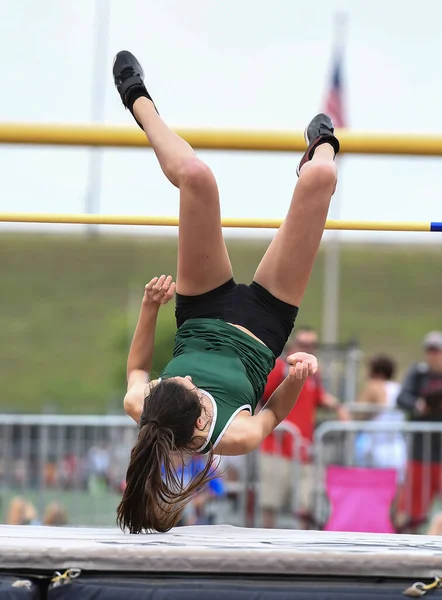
340, 366
413, 449
79, 461
252, 495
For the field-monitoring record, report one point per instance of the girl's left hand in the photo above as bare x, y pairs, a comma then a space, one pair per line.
159, 290
302, 365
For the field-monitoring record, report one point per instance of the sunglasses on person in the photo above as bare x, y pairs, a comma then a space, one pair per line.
306, 345
433, 349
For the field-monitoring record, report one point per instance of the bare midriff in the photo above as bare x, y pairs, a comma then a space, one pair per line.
247, 331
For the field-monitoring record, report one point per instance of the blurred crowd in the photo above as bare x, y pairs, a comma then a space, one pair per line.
382, 399
94, 471
23, 512
285, 463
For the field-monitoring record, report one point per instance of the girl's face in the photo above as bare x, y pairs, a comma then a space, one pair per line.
186, 381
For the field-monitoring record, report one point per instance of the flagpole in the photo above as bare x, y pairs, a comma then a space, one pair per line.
332, 262
95, 167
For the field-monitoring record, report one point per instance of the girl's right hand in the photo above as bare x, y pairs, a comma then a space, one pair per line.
159, 290
302, 365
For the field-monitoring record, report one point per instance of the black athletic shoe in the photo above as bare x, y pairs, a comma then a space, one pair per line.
319, 131
129, 80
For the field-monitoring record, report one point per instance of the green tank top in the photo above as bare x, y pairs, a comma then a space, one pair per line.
228, 365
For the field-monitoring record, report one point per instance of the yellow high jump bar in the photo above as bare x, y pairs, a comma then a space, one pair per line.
216, 139
83, 219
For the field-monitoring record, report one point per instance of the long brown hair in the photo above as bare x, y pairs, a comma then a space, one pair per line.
155, 494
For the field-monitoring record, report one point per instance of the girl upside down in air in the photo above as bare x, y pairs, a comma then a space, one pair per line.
228, 335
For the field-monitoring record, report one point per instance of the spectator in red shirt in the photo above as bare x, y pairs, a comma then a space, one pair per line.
277, 450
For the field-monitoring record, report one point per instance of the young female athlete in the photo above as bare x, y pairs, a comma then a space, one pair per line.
228, 334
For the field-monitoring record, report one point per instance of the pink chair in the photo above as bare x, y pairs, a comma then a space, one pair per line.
360, 499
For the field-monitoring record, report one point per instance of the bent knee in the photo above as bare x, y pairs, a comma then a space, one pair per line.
194, 173
319, 174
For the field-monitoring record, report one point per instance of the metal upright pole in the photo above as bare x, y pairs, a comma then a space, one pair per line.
332, 263
101, 30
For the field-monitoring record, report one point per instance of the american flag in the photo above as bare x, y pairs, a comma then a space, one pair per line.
334, 103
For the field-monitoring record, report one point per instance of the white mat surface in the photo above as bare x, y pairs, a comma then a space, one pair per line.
226, 549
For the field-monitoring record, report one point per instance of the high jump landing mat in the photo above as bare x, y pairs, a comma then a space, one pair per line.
215, 563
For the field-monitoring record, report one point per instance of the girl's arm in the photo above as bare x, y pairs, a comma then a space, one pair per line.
139, 363
246, 433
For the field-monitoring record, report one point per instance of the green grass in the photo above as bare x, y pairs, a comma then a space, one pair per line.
64, 301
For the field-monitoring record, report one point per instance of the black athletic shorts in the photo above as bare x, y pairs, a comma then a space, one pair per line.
250, 306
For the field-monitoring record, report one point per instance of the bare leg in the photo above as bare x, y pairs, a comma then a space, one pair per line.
286, 266
203, 261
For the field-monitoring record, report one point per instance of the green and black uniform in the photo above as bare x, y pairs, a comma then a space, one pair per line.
226, 364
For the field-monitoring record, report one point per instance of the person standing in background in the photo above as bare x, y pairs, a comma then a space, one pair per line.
424, 469
421, 398
278, 450
422, 376
384, 449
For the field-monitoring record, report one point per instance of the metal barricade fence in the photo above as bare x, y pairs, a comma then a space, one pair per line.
251, 504
78, 461
340, 364
413, 449
81, 461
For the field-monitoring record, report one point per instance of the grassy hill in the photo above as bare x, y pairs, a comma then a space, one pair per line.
67, 305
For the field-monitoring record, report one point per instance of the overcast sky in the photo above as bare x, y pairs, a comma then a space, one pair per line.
233, 64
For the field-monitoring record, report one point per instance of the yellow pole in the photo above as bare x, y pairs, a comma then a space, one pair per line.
230, 223
216, 139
